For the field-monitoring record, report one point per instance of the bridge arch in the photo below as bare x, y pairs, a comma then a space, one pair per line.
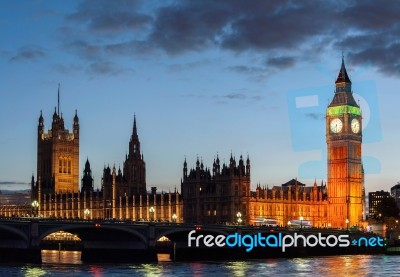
83, 231
15, 231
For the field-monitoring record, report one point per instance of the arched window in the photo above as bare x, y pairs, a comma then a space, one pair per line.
59, 165
65, 166
69, 166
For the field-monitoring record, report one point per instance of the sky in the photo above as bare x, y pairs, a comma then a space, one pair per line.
204, 78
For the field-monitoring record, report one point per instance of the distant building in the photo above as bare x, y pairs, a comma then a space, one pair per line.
375, 198
14, 203
395, 192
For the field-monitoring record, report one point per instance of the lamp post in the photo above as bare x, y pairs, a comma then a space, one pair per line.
289, 223
152, 213
397, 222
174, 218
301, 222
329, 225
347, 223
239, 218
86, 212
35, 205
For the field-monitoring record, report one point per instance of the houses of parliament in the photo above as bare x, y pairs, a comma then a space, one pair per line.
220, 194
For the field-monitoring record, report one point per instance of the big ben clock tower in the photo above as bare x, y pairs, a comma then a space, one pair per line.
345, 171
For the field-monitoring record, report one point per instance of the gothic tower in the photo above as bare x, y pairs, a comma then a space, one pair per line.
344, 139
87, 179
134, 169
58, 155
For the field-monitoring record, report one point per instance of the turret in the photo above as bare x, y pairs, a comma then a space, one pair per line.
75, 125
248, 166
185, 169
87, 180
41, 124
134, 143
218, 167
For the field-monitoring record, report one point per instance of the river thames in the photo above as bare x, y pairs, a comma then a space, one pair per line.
67, 263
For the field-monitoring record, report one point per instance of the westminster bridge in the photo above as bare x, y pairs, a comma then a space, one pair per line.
128, 241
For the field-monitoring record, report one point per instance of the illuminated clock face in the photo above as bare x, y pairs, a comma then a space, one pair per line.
336, 125
355, 126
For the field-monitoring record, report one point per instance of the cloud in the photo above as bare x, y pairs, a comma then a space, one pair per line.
28, 53
281, 62
67, 69
246, 69
283, 31
315, 116
188, 66
108, 68
110, 16
239, 96
12, 183
4, 53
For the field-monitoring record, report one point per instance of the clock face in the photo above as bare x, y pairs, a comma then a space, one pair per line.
336, 125
355, 126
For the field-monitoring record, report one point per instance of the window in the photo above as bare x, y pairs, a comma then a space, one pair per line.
60, 166
69, 166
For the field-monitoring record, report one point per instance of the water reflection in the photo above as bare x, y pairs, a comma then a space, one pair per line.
68, 263
33, 272
61, 257
238, 268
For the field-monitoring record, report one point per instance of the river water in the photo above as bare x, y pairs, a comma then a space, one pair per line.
67, 263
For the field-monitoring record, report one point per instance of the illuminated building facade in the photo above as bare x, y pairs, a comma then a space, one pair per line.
215, 196
223, 196
345, 169
57, 156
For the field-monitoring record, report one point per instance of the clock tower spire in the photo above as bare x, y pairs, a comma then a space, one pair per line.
344, 139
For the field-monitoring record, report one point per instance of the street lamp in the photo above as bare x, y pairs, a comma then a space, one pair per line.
347, 223
152, 213
301, 222
329, 225
397, 222
35, 205
289, 223
239, 218
174, 216
86, 212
